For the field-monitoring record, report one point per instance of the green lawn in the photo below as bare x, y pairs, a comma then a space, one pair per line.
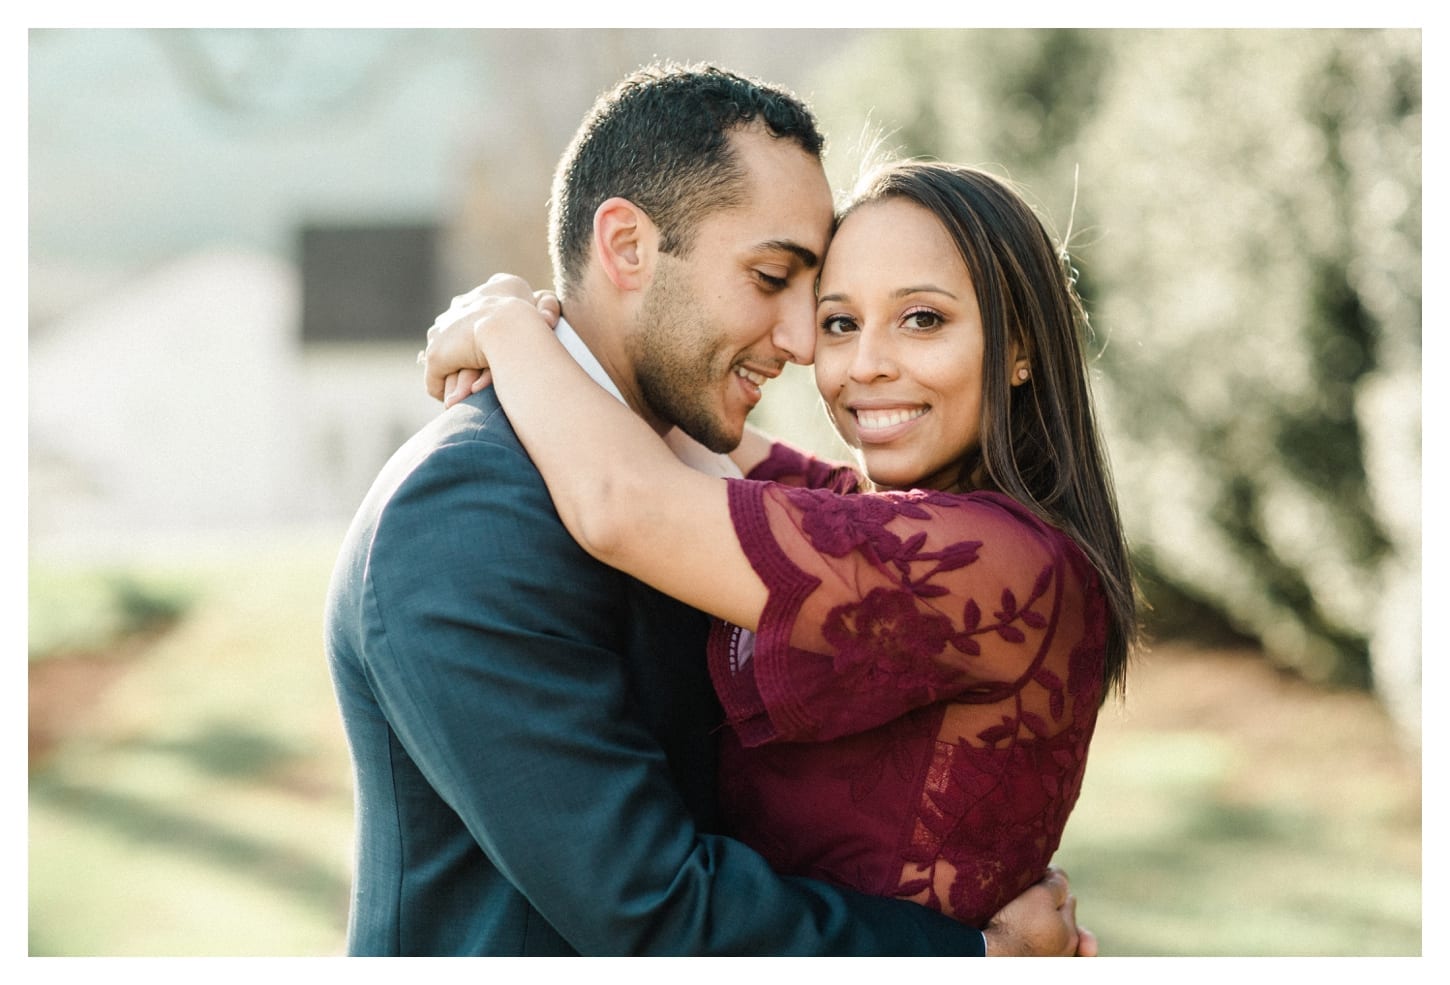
203, 807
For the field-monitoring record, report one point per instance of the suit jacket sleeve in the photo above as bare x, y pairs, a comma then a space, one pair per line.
493, 657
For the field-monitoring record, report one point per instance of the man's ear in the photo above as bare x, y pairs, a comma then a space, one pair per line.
625, 244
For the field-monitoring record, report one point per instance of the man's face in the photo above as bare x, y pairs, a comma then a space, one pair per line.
718, 323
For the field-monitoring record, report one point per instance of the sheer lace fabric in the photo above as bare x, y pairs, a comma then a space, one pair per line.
912, 716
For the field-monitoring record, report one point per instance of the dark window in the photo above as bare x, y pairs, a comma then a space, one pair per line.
374, 283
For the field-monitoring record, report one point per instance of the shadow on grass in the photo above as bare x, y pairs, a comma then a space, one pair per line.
227, 750
147, 824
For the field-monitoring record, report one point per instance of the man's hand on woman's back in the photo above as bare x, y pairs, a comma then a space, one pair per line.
1042, 922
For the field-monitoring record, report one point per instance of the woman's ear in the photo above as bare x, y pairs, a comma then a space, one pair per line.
1021, 364
625, 242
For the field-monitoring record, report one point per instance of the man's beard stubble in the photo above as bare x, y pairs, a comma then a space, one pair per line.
673, 351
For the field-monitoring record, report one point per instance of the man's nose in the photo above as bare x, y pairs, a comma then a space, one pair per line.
795, 333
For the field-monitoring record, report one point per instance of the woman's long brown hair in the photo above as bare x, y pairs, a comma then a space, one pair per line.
1040, 442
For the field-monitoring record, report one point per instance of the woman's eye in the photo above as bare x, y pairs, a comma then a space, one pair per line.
837, 325
922, 320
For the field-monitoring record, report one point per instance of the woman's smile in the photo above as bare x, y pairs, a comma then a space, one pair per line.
899, 351
882, 424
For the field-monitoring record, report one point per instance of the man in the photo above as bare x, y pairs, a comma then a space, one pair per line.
532, 732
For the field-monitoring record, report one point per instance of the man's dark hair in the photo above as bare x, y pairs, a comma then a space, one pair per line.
660, 139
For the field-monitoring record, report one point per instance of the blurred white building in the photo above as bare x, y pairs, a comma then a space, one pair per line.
187, 401
194, 367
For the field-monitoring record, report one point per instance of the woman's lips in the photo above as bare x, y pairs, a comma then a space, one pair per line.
879, 424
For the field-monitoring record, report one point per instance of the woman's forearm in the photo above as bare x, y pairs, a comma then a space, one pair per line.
617, 487
587, 445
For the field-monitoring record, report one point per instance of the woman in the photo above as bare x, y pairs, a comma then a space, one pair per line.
911, 657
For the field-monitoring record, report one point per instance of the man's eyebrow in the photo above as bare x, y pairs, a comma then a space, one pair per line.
806, 256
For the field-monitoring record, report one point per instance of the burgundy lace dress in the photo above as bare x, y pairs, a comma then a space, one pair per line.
912, 716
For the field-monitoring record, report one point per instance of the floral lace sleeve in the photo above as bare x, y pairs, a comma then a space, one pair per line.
882, 603
792, 467
912, 716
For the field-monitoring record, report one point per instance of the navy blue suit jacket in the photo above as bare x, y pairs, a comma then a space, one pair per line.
532, 738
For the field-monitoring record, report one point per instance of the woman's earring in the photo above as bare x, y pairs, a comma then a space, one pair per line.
1022, 375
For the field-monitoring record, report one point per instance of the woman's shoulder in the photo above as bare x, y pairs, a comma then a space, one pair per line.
976, 506
990, 502
984, 515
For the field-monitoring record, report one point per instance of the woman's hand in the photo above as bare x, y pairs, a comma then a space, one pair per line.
454, 360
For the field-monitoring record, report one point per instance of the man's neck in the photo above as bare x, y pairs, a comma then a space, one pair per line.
604, 336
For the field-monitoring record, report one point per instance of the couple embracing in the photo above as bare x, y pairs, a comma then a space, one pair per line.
622, 675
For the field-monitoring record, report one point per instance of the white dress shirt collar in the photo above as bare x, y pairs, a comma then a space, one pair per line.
586, 359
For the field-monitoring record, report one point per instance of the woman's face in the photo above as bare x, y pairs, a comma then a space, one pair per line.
899, 349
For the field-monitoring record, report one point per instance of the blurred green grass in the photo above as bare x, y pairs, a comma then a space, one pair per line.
202, 805
88, 608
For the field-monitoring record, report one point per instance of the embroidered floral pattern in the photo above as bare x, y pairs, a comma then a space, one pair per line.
885, 640
837, 526
959, 656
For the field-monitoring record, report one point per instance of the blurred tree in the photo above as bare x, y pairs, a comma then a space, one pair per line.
1248, 225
